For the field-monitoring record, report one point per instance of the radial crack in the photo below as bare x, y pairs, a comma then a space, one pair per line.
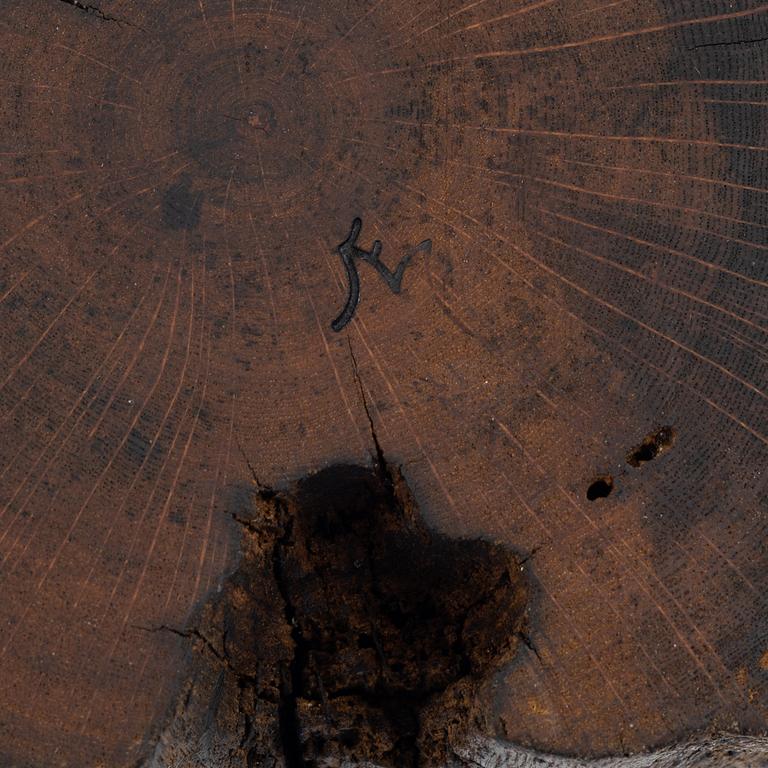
193, 633
381, 461
94, 10
729, 42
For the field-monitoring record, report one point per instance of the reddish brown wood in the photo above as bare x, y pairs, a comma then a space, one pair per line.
175, 177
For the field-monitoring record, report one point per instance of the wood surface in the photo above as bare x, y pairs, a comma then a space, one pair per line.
176, 177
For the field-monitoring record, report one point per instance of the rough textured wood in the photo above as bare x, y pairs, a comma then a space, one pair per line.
350, 634
175, 178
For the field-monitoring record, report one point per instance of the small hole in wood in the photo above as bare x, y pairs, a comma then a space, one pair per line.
652, 446
600, 488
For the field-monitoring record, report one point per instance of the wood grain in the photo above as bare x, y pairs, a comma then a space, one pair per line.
175, 178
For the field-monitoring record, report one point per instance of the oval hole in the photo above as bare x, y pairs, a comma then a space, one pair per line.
653, 445
600, 488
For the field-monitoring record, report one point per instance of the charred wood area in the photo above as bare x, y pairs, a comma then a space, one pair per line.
349, 634
383, 383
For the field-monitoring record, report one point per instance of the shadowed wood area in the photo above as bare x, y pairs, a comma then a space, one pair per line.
573, 363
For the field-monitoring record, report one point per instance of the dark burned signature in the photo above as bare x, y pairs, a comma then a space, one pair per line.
349, 250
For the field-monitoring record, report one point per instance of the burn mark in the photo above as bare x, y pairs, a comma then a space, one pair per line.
349, 251
350, 633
